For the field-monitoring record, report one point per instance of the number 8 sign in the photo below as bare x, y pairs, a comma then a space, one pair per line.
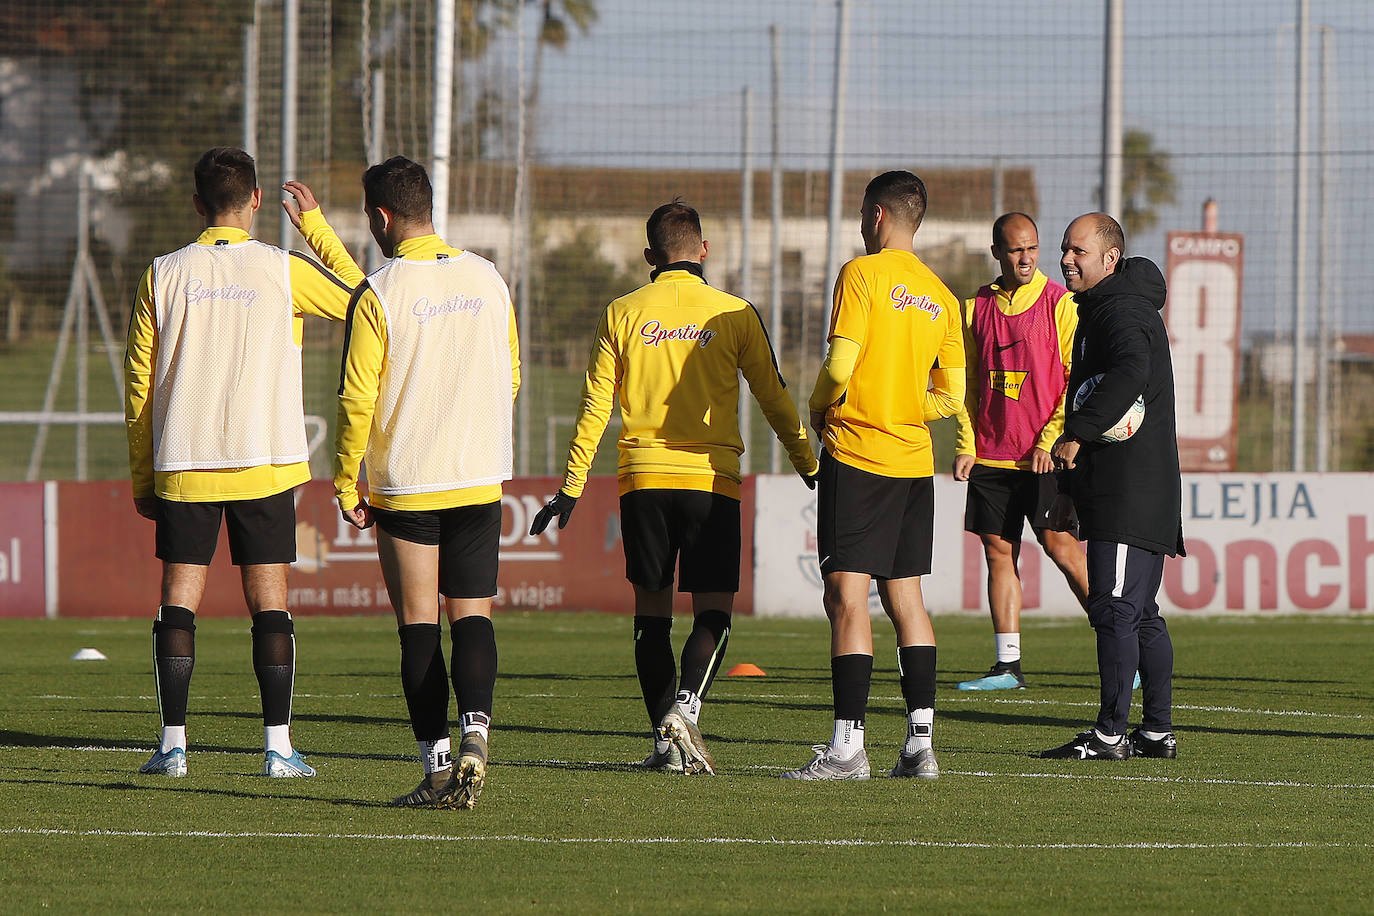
1203, 318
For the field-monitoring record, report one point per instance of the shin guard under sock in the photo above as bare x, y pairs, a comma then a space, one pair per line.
174, 657
424, 680
274, 662
474, 670
654, 664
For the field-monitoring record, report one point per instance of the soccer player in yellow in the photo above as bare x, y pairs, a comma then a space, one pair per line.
1018, 338
896, 361
670, 354
212, 395
430, 370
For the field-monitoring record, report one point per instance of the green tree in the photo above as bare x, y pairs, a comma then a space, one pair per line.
1147, 181
572, 283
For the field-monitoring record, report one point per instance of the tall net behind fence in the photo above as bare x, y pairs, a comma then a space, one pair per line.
573, 119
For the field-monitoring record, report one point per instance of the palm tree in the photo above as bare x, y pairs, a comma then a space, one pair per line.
1146, 181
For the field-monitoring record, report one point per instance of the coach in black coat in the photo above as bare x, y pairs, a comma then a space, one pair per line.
1128, 494
1125, 492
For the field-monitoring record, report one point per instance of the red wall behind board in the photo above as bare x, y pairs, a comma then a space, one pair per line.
21, 550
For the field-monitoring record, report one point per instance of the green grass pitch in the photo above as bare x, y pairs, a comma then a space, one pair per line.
1268, 808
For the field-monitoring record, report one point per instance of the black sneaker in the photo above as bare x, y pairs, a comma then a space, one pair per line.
1087, 746
1165, 748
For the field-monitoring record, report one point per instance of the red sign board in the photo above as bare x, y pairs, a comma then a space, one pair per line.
581, 567
21, 551
1203, 271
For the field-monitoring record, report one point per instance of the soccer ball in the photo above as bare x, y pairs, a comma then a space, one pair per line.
1125, 427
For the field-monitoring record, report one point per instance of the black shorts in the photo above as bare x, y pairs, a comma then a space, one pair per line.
260, 530
659, 526
1001, 500
468, 538
868, 523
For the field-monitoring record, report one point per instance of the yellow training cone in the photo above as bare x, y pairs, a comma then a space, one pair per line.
746, 669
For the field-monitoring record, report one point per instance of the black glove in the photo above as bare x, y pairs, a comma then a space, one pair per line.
561, 505
810, 479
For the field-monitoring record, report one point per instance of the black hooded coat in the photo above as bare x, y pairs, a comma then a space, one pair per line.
1126, 492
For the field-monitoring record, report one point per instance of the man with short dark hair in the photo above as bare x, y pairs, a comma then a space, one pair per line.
216, 431
896, 362
430, 371
1128, 493
1018, 339
670, 355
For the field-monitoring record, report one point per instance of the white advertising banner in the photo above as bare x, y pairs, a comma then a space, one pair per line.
1256, 543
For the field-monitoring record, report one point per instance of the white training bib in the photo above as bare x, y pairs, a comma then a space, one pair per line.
227, 380
443, 417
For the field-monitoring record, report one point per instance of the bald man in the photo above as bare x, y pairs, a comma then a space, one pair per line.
1128, 493
1018, 339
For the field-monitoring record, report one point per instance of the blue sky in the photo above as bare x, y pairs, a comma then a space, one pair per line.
932, 84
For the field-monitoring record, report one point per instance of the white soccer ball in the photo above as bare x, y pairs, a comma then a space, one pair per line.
1125, 427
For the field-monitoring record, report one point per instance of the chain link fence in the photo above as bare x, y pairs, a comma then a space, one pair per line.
573, 119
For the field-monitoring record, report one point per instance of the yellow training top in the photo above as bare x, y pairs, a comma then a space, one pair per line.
669, 354
1015, 303
314, 291
906, 323
360, 382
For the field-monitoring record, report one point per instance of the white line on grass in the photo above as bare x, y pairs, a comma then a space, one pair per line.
1187, 780
988, 774
1093, 704
646, 841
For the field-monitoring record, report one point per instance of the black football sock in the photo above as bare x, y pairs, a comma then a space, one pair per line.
654, 664
474, 671
424, 680
916, 669
702, 655
850, 677
174, 657
274, 662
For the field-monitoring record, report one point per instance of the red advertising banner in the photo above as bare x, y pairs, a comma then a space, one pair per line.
21, 551
1203, 271
581, 567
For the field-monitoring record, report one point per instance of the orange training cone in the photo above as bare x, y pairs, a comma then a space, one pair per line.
746, 669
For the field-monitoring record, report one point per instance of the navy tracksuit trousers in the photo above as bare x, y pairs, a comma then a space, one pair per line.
1123, 582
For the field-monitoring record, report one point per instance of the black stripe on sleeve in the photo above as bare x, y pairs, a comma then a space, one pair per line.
348, 330
322, 269
772, 354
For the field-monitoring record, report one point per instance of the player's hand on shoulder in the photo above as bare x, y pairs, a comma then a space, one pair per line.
561, 505
302, 199
963, 465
